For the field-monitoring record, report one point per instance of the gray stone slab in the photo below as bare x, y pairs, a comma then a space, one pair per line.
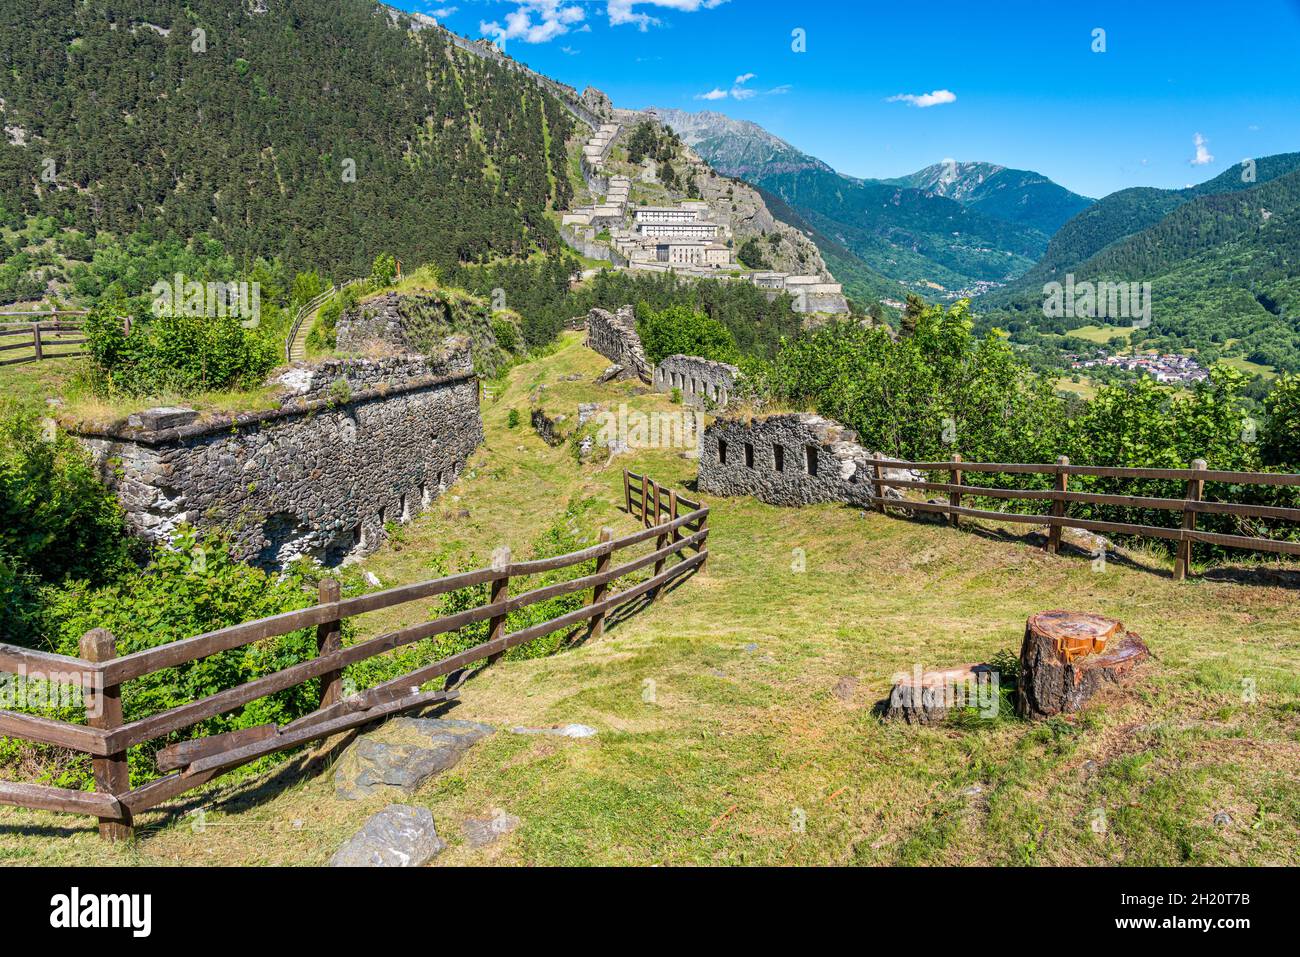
398, 836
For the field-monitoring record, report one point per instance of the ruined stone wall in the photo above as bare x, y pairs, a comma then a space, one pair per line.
614, 336
320, 476
703, 382
818, 460
418, 323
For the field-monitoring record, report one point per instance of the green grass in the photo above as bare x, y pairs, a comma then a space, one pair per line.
746, 729
1245, 365
1100, 335
1084, 388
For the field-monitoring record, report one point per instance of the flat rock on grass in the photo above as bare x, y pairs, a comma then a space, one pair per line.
400, 756
398, 836
482, 831
562, 731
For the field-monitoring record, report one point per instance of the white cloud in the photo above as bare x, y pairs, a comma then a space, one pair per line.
1203, 155
569, 51
539, 21
553, 18
443, 12
739, 90
923, 100
622, 12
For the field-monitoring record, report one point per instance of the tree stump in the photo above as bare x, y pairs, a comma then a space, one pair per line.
928, 697
1068, 656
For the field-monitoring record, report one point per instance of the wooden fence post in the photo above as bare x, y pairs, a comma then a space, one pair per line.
644, 497
1058, 505
500, 591
878, 488
627, 492
36, 340
704, 542
662, 540
672, 512
104, 711
1195, 489
597, 627
954, 497
659, 504
329, 638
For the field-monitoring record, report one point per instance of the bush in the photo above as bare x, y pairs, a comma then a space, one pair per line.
174, 352
56, 518
383, 272
679, 330
192, 587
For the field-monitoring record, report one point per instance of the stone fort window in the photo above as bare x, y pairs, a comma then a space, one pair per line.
749, 455
810, 459
778, 457
722, 452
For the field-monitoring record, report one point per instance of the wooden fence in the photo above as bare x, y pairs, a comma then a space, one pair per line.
1192, 504
41, 337
309, 309
106, 736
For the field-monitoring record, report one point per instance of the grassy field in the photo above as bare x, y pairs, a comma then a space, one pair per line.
735, 714
1253, 368
1084, 388
1100, 335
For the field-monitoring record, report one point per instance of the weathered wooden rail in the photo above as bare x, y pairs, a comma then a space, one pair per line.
41, 336
101, 673
1190, 506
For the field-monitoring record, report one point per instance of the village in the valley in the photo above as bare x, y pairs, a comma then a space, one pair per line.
1167, 369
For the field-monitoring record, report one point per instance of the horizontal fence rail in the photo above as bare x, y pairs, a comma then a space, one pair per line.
187, 764
41, 338
1184, 534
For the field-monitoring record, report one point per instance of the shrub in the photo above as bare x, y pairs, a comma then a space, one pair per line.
680, 330
56, 519
189, 588
174, 352
384, 271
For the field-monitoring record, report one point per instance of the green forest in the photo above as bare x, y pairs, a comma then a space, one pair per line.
316, 135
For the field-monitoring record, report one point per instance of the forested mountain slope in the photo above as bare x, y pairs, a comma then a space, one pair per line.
944, 228
1014, 195
320, 133
1224, 270
1120, 215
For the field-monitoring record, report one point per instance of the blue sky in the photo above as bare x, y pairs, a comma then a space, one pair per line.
1182, 91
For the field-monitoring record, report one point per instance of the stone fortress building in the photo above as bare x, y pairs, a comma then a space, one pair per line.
792, 459
702, 382
693, 238
355, 445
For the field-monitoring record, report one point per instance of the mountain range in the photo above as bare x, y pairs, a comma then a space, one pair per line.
1222, 257
952, 227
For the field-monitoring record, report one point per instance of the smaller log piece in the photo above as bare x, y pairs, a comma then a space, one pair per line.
928, 697
1067, 657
